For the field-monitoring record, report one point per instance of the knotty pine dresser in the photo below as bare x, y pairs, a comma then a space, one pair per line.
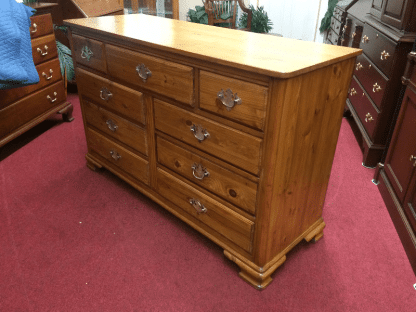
233, 132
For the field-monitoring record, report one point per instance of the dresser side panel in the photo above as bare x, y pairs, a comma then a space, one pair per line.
302, 131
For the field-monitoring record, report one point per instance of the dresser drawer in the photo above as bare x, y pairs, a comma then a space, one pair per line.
378, 48
226, 222
41, 25
233, 99
232, 146
373, 81
89, 52
44, 49
168, 78
364, 108
111, 95
49, 73
19, 113
222, 182
116, 127
118, 155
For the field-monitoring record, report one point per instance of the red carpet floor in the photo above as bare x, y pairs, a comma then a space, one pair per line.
75, 240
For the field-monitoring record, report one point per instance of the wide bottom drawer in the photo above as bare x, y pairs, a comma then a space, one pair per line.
226, 222
118, 155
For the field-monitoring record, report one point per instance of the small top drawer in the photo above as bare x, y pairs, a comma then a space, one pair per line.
41, 25
168, 78
233, 146
234, 99
378, 48
373, 81
89, 52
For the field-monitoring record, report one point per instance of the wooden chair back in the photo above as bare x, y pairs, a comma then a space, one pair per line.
216, 8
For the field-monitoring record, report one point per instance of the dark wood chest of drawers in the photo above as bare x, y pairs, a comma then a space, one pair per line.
237, 142
23, 108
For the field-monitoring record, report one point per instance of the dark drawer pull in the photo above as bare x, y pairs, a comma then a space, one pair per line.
41, 52
199, 132
51, 99
111, 125
115, 155
86, 53
197, 205
229, 99
199, 172
46, 76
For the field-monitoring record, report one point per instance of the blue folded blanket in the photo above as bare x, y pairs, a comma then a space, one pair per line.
16, 61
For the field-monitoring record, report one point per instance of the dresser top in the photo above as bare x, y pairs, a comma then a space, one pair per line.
261, 53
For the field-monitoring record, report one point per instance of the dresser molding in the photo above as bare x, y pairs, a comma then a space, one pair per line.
278, 140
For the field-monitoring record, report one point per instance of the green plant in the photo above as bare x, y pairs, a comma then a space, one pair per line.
198, 15
260, 22
326, 20
65, 56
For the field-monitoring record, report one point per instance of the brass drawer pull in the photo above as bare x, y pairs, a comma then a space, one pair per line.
368, 118
115, 155
105, 94
353, 92
46, 76
376, 88
143, 72
199, 172
51, 99
228, 99
413, 158
111, 125
365, 39
199, 132
197, 205
353, 35
358, 66
86, 53
384, 55
41, 52
35, 28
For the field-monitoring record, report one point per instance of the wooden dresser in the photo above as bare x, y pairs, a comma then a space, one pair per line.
396, 178
25, 107
236, 141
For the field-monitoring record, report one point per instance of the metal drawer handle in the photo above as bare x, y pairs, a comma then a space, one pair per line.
199, 132
35, 28
384, 55
143, 72
115, 155
46, 76
368, 118
52, 100
353, 35
365, 39
111, 125
41, 52
376, 87
413, 158
353, 92
358, 66
228, 99
197, 205
199, 172
86, 53
105, 94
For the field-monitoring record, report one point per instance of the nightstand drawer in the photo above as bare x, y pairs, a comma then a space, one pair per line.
111, 95
41, 25
234, 99
44, 49
118, 155
373, 81
116, 127
232, 146
222, 182
226, 222
364, 107
89, 52
168, 78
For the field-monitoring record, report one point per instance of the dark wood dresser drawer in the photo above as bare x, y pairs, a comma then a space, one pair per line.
246, 102
89, 52
116, 127
373, 81
116, 154
226, 222
232, 146
165, 77
222, 182
111, 95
